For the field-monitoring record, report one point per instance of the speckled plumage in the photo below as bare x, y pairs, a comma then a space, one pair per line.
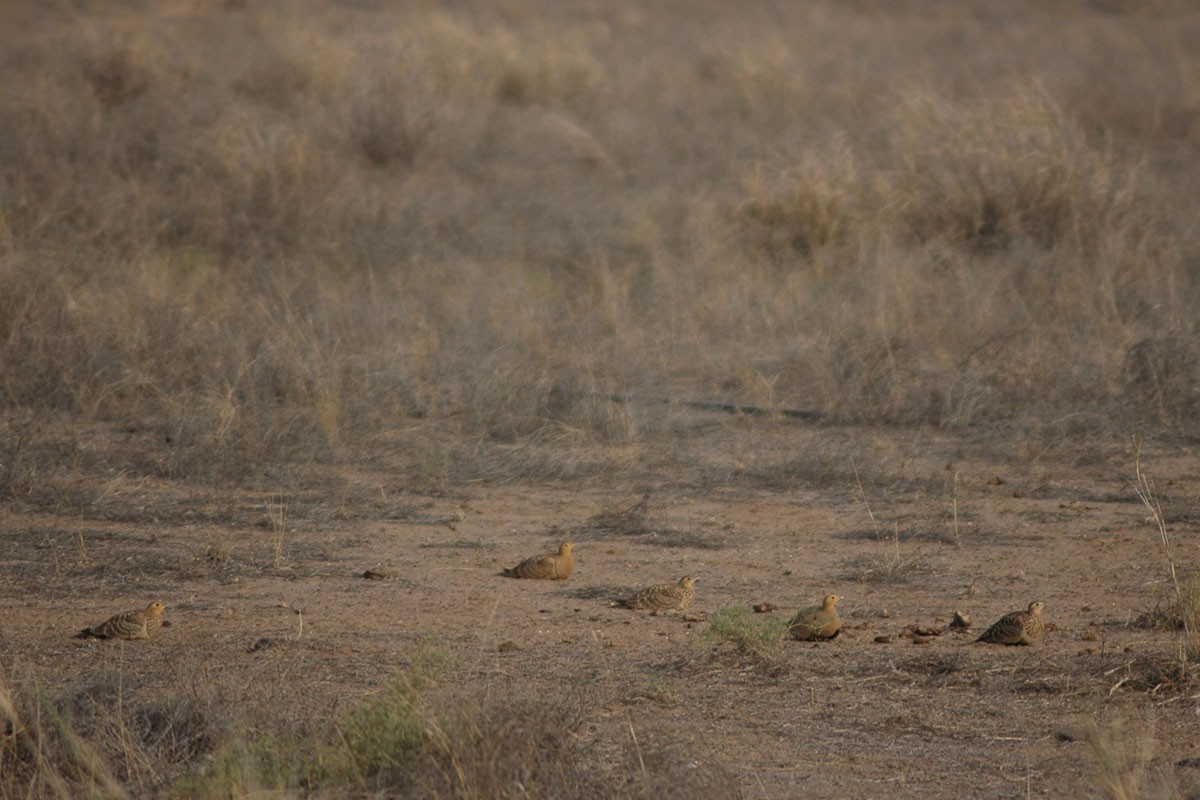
139, 624
549, 566
817, 622
664, 596
1017, 627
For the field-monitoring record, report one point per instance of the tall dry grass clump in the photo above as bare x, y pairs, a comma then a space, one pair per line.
101, 739
990, 174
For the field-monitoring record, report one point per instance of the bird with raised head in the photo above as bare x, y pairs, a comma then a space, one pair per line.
817, 622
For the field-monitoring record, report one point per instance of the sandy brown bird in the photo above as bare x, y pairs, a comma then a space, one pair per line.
549, 566
141, 624
1017, 627
817, 622
664, 596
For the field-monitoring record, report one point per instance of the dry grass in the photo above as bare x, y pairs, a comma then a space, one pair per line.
1125, 751
274, 237
106, 740
1183, 612
287, 233
103, 739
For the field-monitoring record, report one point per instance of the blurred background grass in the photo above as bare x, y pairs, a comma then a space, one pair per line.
290, 231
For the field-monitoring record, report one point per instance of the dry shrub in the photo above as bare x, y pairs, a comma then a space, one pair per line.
424, 90
1161, 375
389, 124
806, 207
258, 183
766, 81
94, 112
983, 232
524, 747
1013, 168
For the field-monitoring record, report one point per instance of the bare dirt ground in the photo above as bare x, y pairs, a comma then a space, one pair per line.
273, 619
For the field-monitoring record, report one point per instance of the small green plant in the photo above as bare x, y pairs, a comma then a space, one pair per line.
1188, 608
244, 766
379, 741
375, 746
752, 634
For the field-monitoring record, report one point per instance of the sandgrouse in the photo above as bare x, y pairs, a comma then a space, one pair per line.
550, 566
140, 624
1017, 627
817, 622
665, 596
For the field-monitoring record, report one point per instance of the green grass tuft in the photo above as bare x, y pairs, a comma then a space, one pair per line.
753, 634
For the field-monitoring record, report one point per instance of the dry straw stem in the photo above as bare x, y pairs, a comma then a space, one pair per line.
277, 518
890, 566
1190, 647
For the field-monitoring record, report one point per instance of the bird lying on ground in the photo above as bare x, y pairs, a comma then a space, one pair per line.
549, 566
664, 596
1017, 627
139, 624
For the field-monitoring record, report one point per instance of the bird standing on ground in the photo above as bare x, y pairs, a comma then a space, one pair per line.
140, 624
817, 622
1017, 627
550, 566
664, 596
